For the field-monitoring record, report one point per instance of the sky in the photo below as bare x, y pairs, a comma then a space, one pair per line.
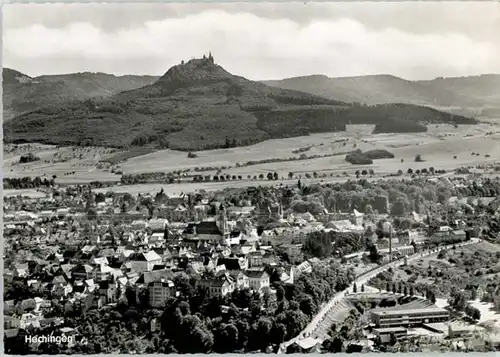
412, 40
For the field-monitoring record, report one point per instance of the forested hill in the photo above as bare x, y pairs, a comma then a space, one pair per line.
198, 105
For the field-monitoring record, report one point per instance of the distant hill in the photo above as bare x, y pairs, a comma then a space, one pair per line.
484, 90
198, 105
11, 76
22, 93
377, 89
476, 94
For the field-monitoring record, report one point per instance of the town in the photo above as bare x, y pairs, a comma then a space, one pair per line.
409, 265
251, 177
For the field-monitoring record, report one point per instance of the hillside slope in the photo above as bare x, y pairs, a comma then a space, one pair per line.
377, 89
22, 93
198, 105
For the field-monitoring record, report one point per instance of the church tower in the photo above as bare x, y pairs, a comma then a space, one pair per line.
222, 221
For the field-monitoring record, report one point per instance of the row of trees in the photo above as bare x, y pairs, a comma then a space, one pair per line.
27, 182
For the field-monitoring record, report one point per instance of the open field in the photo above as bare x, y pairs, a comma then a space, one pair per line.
28, 192
68, 164
437, 147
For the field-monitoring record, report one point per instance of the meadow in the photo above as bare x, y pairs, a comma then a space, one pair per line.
443, 146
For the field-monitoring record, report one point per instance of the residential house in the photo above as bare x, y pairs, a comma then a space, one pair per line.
175, 200
232, 264
287, 277
145, 261
458, 234
81, 272
180, 213
258, 279
158, 224
475, 289
304, 267
443, 232
138, 225
103, 272
234, 212
25, 320
159, 291
20, 271
218, 286
156, 239
344, 226
240, 280
109, 290
293, 250
357, 218
255, 259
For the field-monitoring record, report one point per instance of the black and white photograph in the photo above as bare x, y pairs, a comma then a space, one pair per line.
301, 177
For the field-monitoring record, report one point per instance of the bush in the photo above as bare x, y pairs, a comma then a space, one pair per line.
191, 155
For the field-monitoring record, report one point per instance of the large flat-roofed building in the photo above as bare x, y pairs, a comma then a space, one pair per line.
409, 317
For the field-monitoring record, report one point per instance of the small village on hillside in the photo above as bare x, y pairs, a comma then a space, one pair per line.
346, 267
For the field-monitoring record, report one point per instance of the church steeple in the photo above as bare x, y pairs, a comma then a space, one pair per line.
222, 220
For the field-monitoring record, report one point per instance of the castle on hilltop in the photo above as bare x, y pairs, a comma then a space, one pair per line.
204, 59
210, 58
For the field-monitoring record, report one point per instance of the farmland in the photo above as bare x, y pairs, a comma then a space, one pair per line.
437, 147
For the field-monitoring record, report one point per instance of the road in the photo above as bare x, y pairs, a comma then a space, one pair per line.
360, 280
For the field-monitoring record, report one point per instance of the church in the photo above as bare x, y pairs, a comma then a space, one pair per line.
215, 230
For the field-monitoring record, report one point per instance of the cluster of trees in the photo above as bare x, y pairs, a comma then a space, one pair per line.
230, 143
327, 244
30, 157
358, 158
458, 301
366, 158
365, 172
27, 182
196, 322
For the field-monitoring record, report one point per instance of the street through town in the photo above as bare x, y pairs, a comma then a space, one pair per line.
363, 278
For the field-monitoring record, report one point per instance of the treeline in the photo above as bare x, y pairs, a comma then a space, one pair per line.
400, 197
176, 176
27, 182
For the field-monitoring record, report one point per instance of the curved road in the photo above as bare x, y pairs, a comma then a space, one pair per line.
363, 279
